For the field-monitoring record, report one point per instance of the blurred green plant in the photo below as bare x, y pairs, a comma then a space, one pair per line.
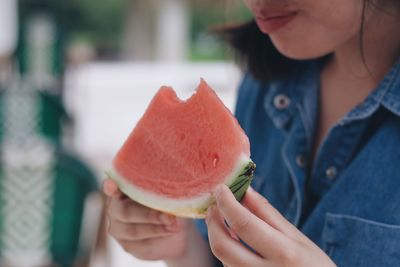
101, 23
96, 22
204, 44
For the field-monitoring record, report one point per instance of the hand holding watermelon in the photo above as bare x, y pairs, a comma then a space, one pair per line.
274, 240
141, 231
153, 235
179, 151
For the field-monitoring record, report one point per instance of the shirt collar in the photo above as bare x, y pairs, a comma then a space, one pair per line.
297, 88
391, 96
386, 94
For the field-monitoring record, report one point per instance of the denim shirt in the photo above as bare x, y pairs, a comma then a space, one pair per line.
348, 203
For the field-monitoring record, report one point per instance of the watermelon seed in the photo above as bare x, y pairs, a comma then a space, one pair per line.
215, 160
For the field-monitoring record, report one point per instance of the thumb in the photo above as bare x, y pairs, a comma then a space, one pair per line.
110, 188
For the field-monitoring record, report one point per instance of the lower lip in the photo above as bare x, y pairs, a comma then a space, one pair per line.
271, 25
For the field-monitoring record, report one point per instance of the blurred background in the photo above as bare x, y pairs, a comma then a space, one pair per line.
75, 76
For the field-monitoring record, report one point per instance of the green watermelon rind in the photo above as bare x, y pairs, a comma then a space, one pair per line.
238, 181
239, 185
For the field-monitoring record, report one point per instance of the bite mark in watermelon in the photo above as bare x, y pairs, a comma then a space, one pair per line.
179, 151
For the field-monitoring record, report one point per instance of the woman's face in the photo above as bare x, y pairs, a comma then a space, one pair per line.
305, 29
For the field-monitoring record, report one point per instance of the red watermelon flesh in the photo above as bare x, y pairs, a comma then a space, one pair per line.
180, 150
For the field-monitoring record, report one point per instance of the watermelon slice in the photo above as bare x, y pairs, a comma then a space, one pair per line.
180, 151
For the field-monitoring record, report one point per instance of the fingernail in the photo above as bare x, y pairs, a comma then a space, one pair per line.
167, 218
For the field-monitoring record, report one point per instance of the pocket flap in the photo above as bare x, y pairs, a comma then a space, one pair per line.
354, 241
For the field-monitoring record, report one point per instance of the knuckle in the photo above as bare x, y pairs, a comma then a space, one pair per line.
218, 249
147, 252
127, 210
133, 230
123, 213
116, 209
240, 225
288, 256
158, 230
264, 203
126, 246
152, 215
281, 256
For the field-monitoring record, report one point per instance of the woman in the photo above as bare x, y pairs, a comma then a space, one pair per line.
321, 105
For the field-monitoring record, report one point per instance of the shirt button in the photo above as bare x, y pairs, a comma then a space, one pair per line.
301, 161
331, 172
281, 101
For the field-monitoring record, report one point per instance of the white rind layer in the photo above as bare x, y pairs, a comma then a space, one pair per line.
193, 208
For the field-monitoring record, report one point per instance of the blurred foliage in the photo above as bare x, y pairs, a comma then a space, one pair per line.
101, 23
97, 22
205, 44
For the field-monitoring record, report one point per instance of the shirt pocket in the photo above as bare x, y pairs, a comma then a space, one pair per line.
352, 241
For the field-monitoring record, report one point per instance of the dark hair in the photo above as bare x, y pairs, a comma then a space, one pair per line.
256, 52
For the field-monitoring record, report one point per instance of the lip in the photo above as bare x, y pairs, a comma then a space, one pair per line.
273, 22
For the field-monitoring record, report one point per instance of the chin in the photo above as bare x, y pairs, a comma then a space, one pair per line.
300, 50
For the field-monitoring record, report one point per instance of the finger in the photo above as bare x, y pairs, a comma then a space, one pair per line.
136, 232
229, 251
128, 211
233, 234
260, 207
110, 188
260, 236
